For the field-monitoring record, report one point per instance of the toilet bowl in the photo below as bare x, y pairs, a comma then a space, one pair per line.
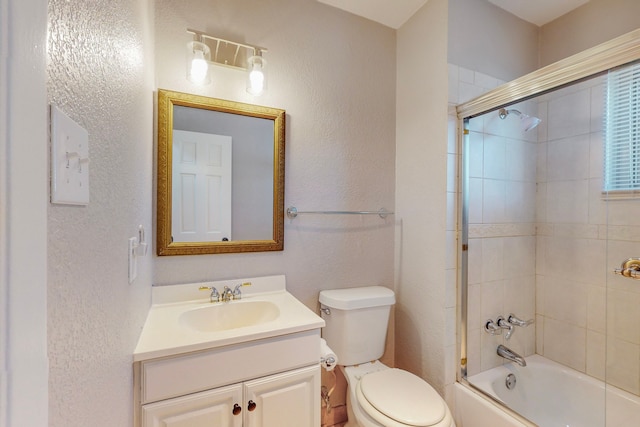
378, 396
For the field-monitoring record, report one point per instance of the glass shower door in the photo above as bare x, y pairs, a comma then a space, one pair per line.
549, 215
620, 300
537, 253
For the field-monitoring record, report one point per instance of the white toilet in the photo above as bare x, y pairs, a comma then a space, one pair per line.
378, 396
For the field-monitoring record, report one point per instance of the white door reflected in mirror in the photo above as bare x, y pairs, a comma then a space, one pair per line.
201, 181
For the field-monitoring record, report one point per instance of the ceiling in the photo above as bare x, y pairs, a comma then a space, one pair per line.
539, 12
394, 13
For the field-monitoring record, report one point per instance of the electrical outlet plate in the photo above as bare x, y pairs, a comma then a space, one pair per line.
69, 160
133, 259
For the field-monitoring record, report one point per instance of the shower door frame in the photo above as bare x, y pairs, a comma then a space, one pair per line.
591, 62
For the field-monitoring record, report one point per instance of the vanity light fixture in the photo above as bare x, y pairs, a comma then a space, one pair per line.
207, 50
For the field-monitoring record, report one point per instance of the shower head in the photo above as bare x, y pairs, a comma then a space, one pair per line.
527, 122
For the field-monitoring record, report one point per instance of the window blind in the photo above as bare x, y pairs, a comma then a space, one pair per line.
622, 130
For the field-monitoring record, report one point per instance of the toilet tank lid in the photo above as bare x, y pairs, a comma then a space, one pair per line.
354, 298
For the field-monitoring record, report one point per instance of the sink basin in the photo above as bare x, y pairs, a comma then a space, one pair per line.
182, 320
231, 315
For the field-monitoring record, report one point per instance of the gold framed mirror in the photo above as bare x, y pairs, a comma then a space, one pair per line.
220, 183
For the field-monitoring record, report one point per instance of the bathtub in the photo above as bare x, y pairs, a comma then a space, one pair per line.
547, 394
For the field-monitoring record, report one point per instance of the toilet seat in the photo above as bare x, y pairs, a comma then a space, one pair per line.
397, 398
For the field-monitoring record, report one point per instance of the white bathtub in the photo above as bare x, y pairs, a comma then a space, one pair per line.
549, 395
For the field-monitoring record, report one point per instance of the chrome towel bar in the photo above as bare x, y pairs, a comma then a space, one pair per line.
293, 212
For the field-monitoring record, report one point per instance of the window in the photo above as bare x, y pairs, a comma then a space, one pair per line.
622, 131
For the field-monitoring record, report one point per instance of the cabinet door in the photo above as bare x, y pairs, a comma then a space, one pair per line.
204, 409
290, 399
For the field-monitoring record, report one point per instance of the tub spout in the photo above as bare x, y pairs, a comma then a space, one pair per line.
511, 355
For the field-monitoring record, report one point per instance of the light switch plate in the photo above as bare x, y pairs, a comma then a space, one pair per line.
69, 160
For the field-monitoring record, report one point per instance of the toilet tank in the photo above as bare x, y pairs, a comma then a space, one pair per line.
356, 322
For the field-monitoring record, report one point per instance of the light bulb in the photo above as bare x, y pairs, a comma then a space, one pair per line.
198, 55
199, 68
256, 77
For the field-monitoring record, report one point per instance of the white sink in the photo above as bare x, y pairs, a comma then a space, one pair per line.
223, 316
182, 320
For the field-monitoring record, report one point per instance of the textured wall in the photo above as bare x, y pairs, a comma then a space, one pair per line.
421, 194
334, 74
100, 64
488, 39
587, 26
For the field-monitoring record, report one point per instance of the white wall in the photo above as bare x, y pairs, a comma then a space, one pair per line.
100, 73
334, 74
597, 21
487, 39
421, 194
23, 223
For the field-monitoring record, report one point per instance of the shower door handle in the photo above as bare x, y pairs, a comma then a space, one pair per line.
629, 268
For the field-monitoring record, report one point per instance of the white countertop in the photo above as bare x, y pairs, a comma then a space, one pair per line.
164, 335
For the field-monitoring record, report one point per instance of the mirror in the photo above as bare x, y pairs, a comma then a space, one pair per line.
220, 176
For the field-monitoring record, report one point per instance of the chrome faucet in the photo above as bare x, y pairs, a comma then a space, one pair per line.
215, 295
495, 328
227, 294
511, 355
236, 291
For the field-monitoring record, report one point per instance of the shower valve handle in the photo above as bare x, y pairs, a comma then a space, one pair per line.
519, 322
505, 324
491, 327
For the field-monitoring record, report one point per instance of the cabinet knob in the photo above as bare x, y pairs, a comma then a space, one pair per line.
252, 406
236, 409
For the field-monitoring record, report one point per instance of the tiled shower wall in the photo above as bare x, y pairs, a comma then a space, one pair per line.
542, 239
586, 317
570, 302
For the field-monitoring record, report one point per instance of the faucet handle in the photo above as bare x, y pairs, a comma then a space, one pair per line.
512, 319
504, 324
491, 327
236, 291
215, 295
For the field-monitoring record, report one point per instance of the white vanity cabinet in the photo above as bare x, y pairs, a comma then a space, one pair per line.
286, 399
205, 409
250, 362
290, 399
271, 382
